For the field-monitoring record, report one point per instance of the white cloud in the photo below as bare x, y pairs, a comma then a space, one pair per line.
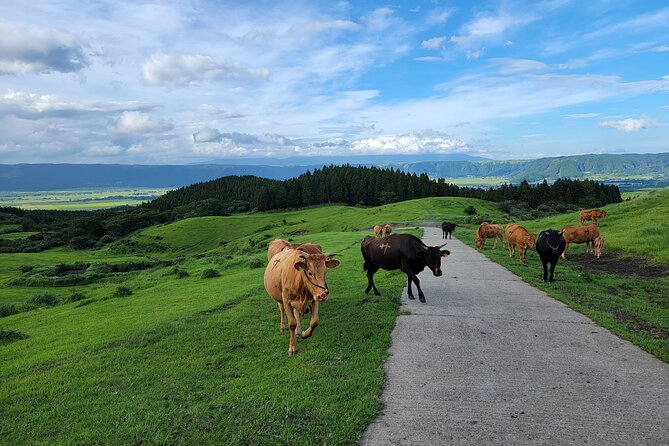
176, 70
630, 125
131, 122
434, 43
206, 135
515, 66
473, 55
425, 142
661, 49
582, 115
428, 59
439, 16
30, 49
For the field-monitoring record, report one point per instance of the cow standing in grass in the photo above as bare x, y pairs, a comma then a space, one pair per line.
296, 280
387, 229
404, 252
487, 230
378, 231
581, 234
519, 237
550, 245
593, 215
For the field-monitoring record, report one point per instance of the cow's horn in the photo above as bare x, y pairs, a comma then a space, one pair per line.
441, 246
304, 255
329, 254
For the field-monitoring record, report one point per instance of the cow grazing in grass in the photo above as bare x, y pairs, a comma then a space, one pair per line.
488, 230
550, 245
580, 234
595, 246
404, 252
279, 245
593, 215
519, 237
387, 229
378, 231
296, 280
447, 229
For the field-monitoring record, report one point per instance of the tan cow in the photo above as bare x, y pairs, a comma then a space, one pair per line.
580, 234
296, 281
279, 245
593, 215
378, 231
387, 229
487, 230
595, 246
519, 237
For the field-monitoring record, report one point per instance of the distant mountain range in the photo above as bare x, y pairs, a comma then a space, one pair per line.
631, 169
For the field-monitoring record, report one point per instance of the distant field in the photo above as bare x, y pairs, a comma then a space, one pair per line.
80, 199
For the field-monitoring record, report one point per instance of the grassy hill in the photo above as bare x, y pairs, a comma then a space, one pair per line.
138, 347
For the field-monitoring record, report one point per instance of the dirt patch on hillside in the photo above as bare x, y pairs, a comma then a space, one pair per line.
618, 266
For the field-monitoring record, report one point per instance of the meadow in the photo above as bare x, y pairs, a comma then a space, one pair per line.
174, 354
80, 199
168, 337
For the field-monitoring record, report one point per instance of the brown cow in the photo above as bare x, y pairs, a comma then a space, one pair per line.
487, 230
279, 245
580, 234
296, 280
387, 229
595, 246
593, 215
519, 237
378, 230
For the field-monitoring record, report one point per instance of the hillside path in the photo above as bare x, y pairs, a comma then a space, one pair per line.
490, 360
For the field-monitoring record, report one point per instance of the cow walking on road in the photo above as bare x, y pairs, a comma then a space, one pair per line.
404, 252
550, 245
447, 229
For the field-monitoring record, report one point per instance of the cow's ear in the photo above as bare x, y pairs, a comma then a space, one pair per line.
445, 253
332, 263
300, 264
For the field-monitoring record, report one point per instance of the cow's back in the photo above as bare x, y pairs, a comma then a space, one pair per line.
388, 252
580, 234
278, 270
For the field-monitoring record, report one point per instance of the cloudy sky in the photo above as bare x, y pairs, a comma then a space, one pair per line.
187, 81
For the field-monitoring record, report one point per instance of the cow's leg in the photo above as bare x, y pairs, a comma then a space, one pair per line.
521, 253
282, 325
553, 263
314, 321
292, 325
511, 250
494, 245
544, 261
370, 281
409, 291
564, 253
411, 277
296, 313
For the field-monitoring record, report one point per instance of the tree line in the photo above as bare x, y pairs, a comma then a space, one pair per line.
360, 186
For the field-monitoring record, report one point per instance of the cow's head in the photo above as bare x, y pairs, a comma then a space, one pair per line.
314, 267
531, 240
480, 242
554, 239
433, 258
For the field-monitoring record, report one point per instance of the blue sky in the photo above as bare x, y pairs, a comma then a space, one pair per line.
190, 81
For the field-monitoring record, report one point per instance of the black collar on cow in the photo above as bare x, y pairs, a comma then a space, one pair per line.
314, 284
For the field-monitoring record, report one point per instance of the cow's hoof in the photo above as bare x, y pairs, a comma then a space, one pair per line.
292, 352
411, 297
421, 299
367, 290
376, 292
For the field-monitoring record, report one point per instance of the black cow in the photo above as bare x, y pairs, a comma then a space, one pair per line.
550, 245
447, 228
400, 251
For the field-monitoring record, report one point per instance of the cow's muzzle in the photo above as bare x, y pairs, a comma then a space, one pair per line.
323, 295
437, 272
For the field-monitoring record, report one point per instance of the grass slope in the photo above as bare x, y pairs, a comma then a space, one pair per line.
188, 360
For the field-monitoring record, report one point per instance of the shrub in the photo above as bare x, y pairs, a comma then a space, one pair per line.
122, 291
42, 300
8, 310
209, 273
471, 210
256, 263
76, 297
26, 268
7, 336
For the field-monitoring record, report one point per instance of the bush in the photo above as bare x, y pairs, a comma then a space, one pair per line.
26, 268
76, 297
42, 300
122, 291
8, 310
471, 210
7, 336
209, 273
256, 263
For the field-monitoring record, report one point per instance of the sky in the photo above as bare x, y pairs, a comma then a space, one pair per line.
189, 81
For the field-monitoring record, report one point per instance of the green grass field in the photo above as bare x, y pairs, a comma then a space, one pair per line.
182, 359
80, 199
188, 360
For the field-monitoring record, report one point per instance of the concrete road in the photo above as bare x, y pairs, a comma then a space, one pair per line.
490, 360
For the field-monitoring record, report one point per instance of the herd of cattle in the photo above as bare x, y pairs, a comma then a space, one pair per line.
295, 273
550, 244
